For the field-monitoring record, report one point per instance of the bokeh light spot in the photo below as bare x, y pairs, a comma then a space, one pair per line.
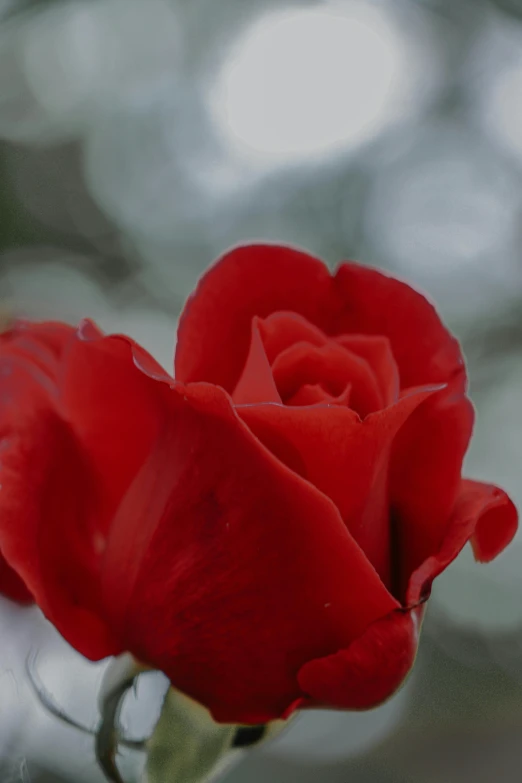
312, 81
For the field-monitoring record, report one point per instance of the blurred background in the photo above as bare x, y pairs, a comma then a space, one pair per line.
139, 139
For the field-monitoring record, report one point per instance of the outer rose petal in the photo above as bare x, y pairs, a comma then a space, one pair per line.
248, 281
44, 504
370, 669
246, 571
425, 477
24, 356
264, 279
115, 409
373, 303
77, 469
483, 514
12, 586
344, 457
39, 344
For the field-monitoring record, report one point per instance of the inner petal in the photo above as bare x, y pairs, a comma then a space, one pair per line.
331, 366
315, 394
256, 383
281, 330
376, 350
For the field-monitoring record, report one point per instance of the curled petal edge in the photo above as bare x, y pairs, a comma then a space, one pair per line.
484, 515
370, 670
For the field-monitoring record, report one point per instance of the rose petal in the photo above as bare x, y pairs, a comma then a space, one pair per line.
333, 367
483, 514
425, 477
35, 349
314, 394
16, 358
231, 540
53, 536
343, 457
256, 383
368, 671
248, 281
12, 586
110, 397
377, 352
265, 279
373, 303
44, 503
41, 343
281, 330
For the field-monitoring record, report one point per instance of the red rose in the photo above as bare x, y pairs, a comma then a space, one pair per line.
266, 527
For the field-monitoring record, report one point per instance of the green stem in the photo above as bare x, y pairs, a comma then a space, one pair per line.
118, 678
187, 746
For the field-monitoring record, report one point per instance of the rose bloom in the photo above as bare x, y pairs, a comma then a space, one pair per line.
264, 528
